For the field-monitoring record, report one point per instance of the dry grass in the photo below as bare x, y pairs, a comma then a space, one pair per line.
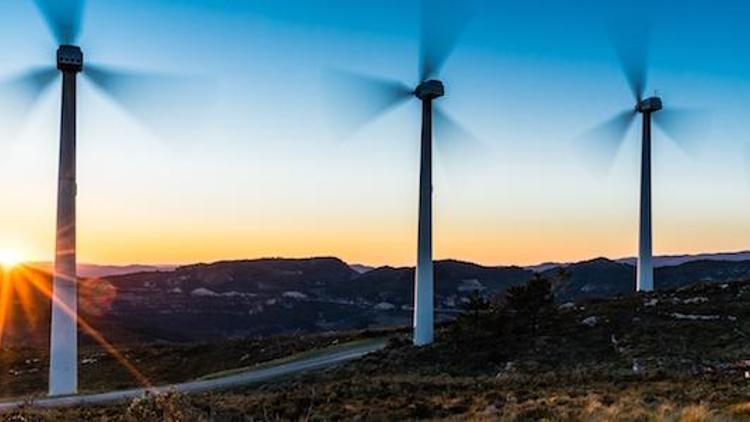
689, 371
439, 398
23, 372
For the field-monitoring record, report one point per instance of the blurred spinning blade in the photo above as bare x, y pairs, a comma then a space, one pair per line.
449, 134
19, 94
170, 105
631, 43
443, 21
687, 127
358, 99
458, 148
605, 140
63, 18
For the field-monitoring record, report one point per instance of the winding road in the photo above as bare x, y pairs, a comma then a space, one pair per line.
249, 377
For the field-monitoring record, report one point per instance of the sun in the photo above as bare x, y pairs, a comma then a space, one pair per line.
9, 259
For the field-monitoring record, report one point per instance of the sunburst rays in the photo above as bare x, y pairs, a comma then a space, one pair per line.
27, 286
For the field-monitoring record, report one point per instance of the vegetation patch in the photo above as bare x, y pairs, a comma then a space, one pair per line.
515, 357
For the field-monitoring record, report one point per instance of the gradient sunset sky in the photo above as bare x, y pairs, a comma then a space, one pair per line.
262, 169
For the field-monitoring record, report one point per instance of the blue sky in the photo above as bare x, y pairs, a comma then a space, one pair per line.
262, 170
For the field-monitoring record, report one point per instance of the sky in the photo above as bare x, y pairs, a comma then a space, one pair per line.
255, 165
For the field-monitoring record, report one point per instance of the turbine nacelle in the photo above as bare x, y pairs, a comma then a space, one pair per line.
429, 90
649, 105
70, 58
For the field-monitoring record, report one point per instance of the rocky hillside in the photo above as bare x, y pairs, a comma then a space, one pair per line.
676, 354
287, 296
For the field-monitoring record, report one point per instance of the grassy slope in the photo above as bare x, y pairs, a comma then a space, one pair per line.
645, 358
25, 371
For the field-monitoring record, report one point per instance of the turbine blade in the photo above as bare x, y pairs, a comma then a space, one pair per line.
170, 105
357, 99
443, 21
459, 153
450, 134
687, 127
63, 18
604, 141
631, 43
18, 94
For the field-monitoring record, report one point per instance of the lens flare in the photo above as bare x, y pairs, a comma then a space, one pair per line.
98, 293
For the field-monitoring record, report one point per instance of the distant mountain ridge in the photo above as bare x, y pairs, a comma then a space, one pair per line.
286, 296
659, 261
94, 270
101, 270
671, 260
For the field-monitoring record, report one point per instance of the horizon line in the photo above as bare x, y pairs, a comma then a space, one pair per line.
549, 262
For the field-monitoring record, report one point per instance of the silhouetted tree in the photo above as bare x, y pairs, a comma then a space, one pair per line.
561, 281
476, 306
562, 277
532, 303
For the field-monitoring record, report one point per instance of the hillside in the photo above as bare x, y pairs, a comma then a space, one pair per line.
677, 354
252, 298
286, 296
672, 260
26, 369
603, 278
659, 260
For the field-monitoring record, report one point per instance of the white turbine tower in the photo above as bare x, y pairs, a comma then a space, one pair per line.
442, 23
64, 20
63, 373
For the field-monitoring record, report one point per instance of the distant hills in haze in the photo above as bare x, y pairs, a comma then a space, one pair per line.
661, 261
668, 260
94, 271
272, 296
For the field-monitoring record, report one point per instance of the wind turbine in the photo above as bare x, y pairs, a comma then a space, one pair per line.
442, 23
64, 18
631, 45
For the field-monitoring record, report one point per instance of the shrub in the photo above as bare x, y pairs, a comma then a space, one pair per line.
168, 407
476, 306
532, 304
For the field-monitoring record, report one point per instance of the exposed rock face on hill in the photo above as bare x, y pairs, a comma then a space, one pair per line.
287, 296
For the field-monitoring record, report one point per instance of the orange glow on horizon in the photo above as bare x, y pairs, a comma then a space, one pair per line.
485, 239
9, 259
14, 288
512, 244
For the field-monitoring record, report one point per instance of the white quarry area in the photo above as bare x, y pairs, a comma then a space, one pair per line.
385, 306
204, 292
688, 317
294, 295
471, 285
